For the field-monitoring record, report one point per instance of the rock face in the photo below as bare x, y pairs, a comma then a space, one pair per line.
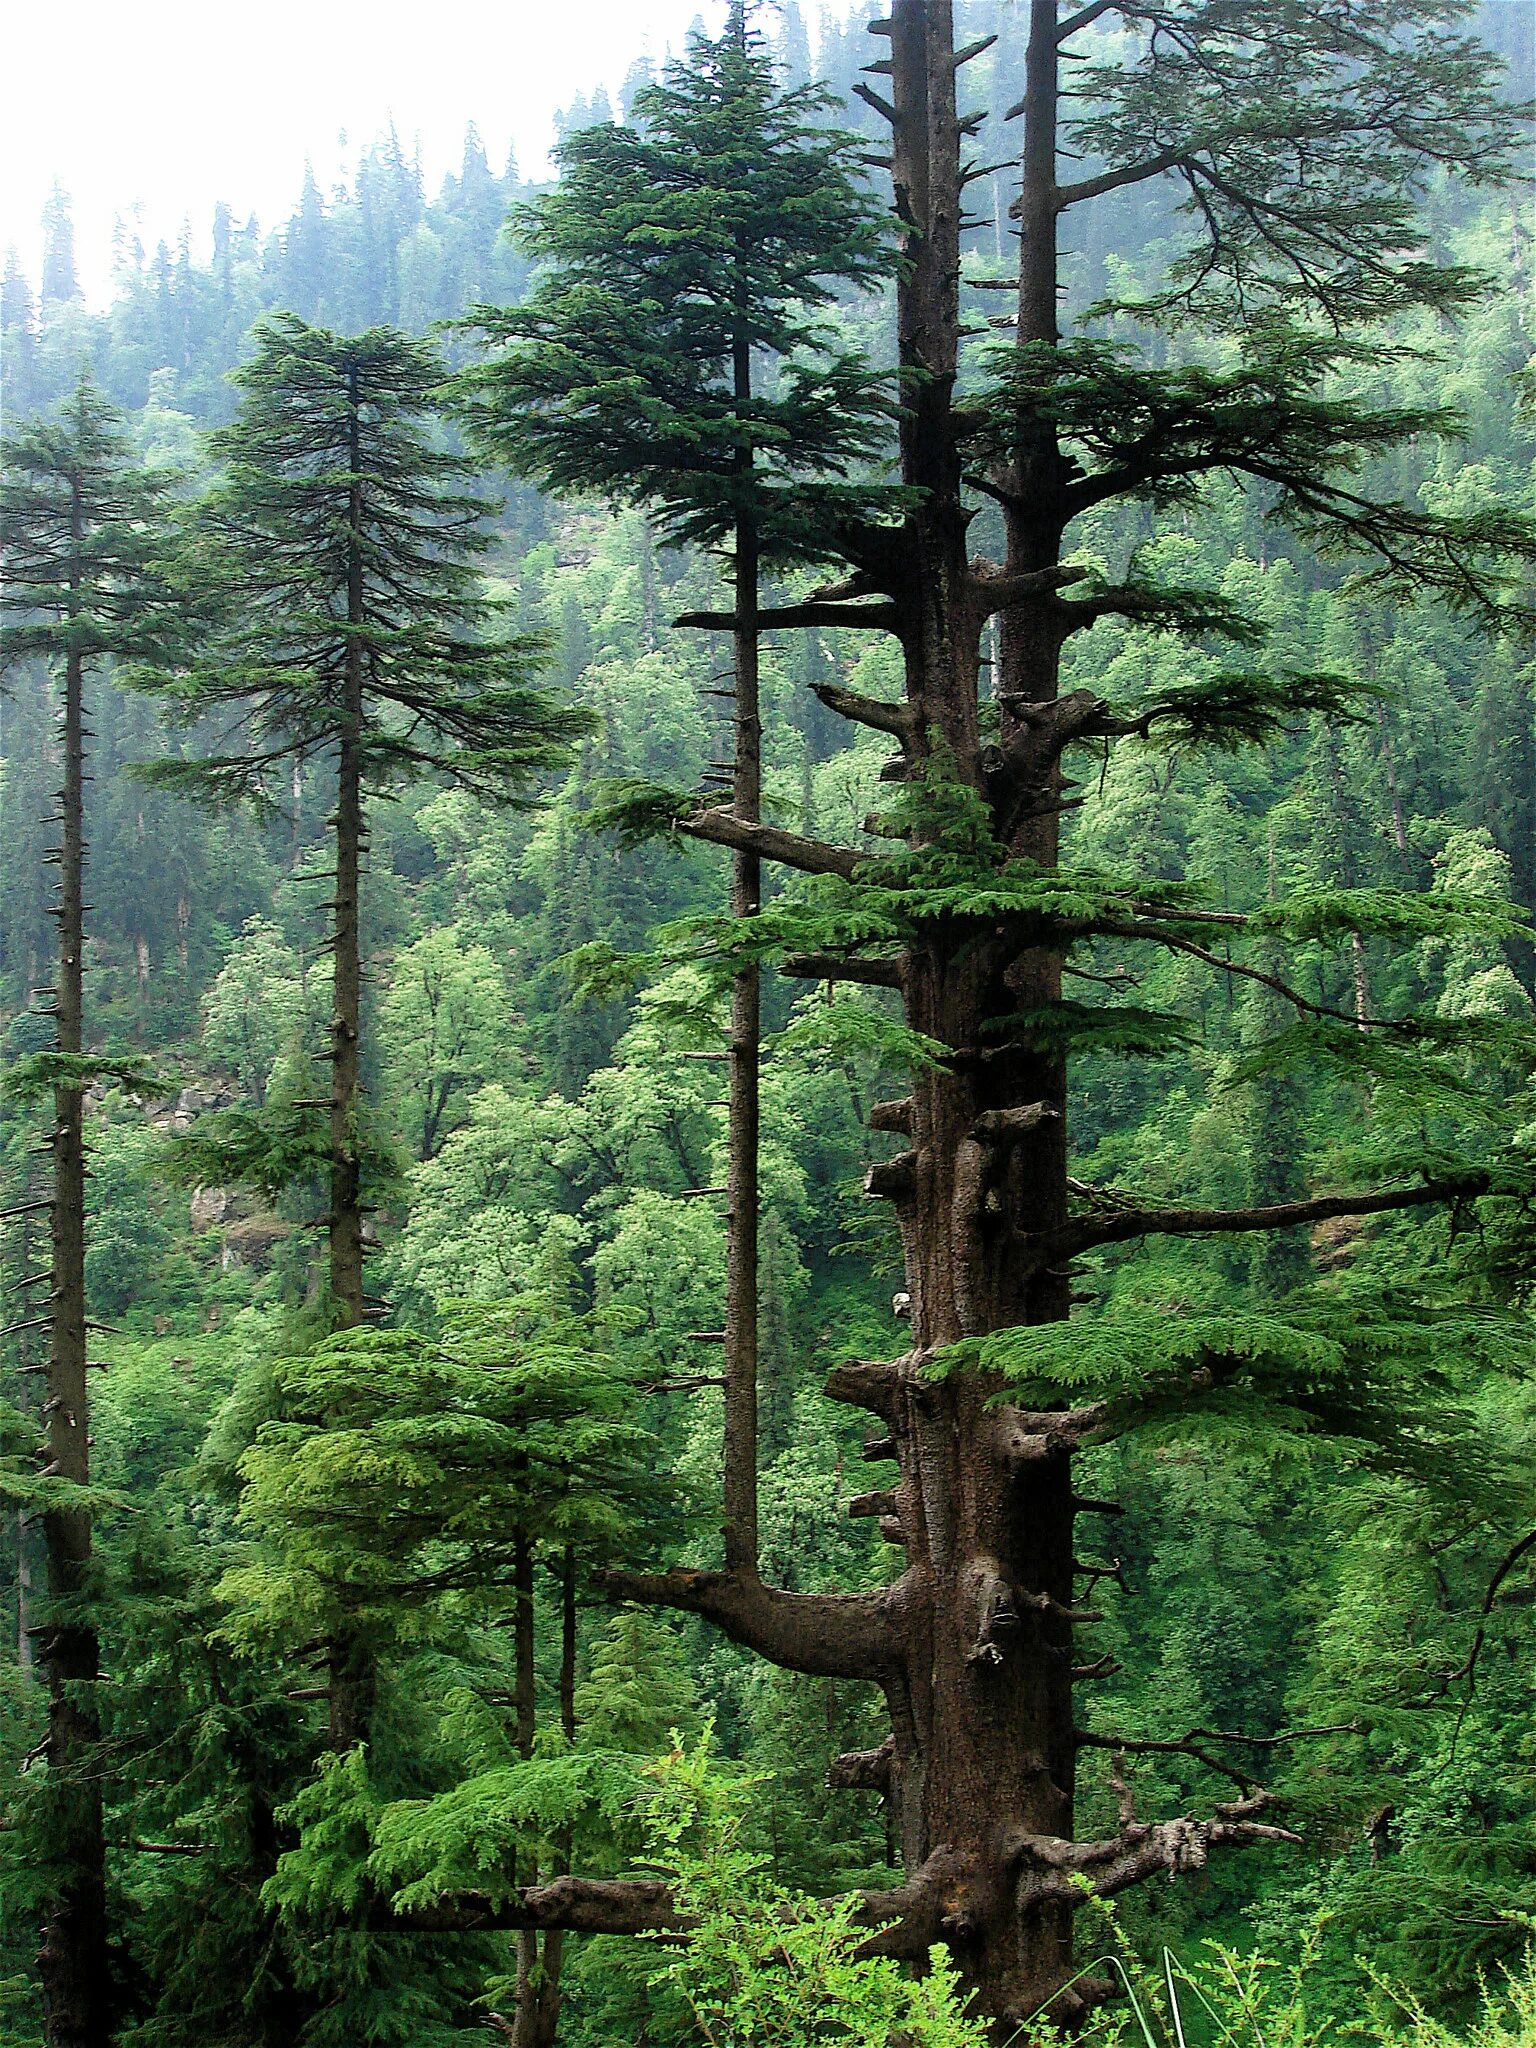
209, 1207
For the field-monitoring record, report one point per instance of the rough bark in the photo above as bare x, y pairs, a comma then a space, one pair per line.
353, 1679
74, 1961
540, 1963
346, 1219
744, 1113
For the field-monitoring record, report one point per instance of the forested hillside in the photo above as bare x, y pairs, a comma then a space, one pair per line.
1150, 1122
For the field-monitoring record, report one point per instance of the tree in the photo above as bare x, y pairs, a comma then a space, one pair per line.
80, 526
254, 1007
692, 252
61, 280
443, 1021
342, 544
1297, 140
18, 334
407, 1487
354, 629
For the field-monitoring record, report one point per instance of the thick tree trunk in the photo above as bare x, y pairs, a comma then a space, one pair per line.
353, 1679
974, 1644
984, 1751
346, 1224
74, 1961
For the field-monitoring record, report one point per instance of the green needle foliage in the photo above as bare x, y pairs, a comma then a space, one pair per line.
84, 526
1304, 138
399, 1474
721, 225
342, 541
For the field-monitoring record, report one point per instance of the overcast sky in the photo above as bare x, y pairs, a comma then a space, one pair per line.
171, 105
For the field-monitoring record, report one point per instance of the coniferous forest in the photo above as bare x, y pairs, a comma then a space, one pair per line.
768, 998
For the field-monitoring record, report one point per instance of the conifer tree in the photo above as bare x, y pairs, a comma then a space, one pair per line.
80, 526
675, 359
341, 545
1297, 140
412, 1487
61, 278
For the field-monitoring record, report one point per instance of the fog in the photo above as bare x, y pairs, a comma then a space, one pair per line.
153, 110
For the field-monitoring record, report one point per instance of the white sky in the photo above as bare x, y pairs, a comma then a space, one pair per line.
172, 105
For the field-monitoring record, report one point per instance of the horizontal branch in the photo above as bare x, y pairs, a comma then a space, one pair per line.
870, 618
999, 590
900, 719
811, 856
1141, 1850
579, 1905
839, 967
828, 1635
1008, 1125
867, 1383
1088, 1232
1197, 1745
1115, 181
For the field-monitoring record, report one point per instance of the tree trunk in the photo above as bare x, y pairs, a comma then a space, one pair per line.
346, 1223
353, 1679
974, 1644
984, 1750
536, 2015
26, 1584
74, 1960
743, 1203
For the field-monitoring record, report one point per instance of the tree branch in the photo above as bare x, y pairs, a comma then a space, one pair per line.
882, 618
1084, 18
722, 827
1088, 1232
900, 719
825, 1634
1113, 181
839, 967
580, 1905
999, 590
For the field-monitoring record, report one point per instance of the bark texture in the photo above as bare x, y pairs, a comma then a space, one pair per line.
353, 1679
974, 1645
74, 1961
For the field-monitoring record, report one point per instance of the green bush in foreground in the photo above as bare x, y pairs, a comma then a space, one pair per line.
766, 1967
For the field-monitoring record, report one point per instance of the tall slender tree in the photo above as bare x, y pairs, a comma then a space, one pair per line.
1297, 139
341, 546
679, 357
81, 523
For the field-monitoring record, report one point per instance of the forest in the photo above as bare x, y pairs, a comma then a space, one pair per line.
768, 1063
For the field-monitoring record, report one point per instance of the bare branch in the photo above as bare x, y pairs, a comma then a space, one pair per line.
826, 1634
1084, 18
999, 590
1087, 1232
1511, 1558
811, 856
900, 719
580, 1905
840, 967
1114, 181
881, 618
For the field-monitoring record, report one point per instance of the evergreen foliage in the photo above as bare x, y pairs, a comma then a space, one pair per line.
1291, 896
